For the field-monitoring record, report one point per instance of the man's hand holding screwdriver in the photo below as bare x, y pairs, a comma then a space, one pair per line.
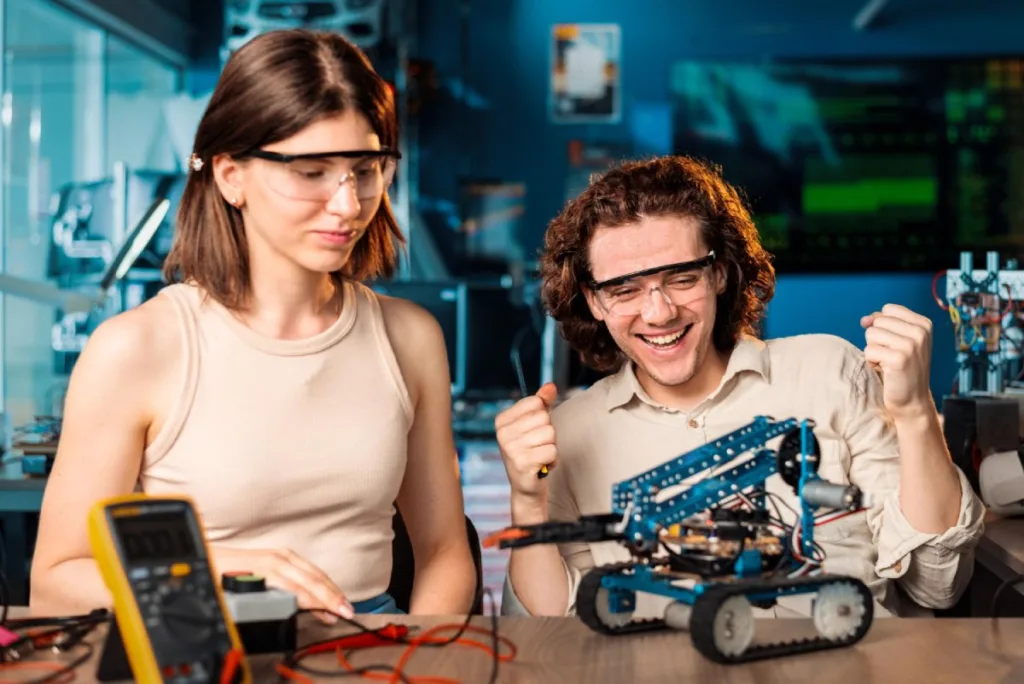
526, 437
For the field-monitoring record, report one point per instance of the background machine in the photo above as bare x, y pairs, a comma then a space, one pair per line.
982, 414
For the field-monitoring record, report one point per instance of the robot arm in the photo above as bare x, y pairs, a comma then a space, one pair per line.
649, 515
722, 469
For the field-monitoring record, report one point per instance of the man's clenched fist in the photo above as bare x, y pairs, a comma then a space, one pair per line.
526, 438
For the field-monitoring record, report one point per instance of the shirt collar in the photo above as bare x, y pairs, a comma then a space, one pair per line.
749, 355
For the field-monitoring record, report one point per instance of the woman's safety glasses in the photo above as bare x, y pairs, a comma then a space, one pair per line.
318, 176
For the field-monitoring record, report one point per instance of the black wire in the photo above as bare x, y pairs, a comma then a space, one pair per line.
516, 357
98, 616
789, 529
88, 650
1012, 582
292, 659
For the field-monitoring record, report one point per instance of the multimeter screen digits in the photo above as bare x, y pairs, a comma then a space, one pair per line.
156, 537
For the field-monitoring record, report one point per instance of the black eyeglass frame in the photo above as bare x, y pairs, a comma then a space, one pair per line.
344, 154
681, 267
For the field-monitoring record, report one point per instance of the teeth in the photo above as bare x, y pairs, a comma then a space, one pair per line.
664, 339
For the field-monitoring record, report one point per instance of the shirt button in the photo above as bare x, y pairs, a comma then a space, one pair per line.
897, 566
694, 424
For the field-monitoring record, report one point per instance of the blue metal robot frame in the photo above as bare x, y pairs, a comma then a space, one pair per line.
645, 518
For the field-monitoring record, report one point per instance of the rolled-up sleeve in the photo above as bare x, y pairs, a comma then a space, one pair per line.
932, 569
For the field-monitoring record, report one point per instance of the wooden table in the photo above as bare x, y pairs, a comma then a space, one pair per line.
564, 651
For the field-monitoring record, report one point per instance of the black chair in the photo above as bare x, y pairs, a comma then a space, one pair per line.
403, 565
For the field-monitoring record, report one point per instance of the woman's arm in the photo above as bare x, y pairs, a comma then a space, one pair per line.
431, 495
107, 414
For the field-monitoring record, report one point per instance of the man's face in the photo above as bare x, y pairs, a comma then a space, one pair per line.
662, 321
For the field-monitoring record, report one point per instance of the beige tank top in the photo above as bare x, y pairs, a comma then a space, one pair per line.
296, 444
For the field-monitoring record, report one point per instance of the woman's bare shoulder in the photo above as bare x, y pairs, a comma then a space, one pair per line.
141, 339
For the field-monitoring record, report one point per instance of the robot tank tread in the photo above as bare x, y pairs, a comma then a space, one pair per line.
721, 620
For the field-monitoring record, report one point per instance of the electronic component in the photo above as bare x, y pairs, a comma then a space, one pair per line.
736, 554
170, 616
983, 308
266, 619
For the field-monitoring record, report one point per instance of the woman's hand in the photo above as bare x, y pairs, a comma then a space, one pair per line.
284, 569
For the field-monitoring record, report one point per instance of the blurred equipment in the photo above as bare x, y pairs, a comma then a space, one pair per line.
984, 307
37, 441
266, 619
109, 237
878, 165
983, 416
91, 294
170, 617
983, 435
492, 213
360, 21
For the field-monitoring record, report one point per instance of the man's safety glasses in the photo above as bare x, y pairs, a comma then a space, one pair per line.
677, 284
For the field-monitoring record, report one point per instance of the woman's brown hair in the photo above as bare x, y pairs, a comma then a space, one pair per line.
272, 88
666, 186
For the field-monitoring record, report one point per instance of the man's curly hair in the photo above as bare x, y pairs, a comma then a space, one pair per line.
665, 186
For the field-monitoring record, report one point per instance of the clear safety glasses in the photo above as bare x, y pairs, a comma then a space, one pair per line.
678, 284
319, 176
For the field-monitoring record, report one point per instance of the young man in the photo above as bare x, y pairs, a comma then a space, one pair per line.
656, 274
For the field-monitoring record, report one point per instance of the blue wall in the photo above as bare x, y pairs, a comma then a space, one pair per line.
509, 137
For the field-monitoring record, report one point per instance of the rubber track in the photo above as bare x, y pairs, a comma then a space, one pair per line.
706, 607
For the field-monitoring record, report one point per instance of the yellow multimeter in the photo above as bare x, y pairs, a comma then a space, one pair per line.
170, 611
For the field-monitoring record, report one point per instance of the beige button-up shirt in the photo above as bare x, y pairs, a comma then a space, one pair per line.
614, 430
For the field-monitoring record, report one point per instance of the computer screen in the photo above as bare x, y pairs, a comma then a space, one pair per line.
864, 165
487, 333
503, 339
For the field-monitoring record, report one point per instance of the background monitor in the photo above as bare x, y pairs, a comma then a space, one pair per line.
880, 165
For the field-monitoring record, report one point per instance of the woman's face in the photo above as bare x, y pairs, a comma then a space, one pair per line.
310, 212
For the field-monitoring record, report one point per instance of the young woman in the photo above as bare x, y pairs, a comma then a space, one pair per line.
290, 402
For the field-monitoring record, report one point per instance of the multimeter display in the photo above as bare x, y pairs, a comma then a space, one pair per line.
159, 536
169, 608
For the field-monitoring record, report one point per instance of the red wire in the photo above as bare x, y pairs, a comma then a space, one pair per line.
396, 674
354, 643
935, 291
231, 663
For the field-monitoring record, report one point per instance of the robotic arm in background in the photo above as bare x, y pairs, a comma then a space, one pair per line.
719, 547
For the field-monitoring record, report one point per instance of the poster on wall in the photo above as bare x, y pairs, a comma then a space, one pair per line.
585, 75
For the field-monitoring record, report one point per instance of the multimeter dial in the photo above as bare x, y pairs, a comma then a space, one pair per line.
187, 617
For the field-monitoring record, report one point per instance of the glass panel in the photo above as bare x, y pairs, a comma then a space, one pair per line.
138, 90
53, 78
